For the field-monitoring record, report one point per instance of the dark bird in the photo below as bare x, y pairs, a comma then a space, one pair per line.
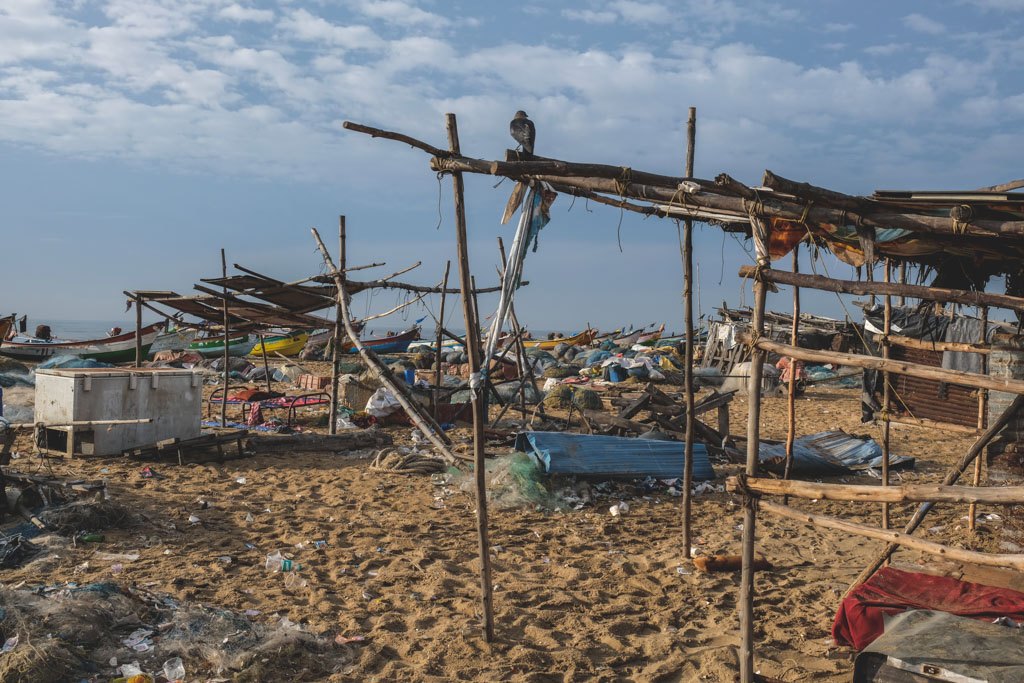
523, 131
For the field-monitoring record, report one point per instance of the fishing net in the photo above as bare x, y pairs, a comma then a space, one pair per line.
513, 481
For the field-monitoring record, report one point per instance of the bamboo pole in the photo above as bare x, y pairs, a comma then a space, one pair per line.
522, 361
224, 403
972, 510
478, 402
869, 493
420, 417
336, 337
899, 367
903, 280
138, 331
939, 294
791, 398
746, 603
1005, 561
691, 138
951, 478
438, 375
959, 347
886, 394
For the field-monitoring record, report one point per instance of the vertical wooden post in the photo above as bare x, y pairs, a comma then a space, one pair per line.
759, 231
902, 300
266, 365
691, 136
886, 393
972, 510
438, 375
794, 338
336, 337
224, 398
138, 331
476, 384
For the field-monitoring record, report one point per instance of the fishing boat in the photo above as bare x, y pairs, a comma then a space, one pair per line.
650, 338
176, 339
607, 336
630, 339
396, 343
213, 347
287, 344
581, 339
116, 349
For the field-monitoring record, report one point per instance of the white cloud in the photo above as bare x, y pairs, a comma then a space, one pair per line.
922, 24
642, 12
235, 12
590, 16
400, 13
884, 50
834, 27
999, 5
303, 25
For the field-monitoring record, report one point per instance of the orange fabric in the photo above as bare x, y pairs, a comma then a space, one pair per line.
783, 236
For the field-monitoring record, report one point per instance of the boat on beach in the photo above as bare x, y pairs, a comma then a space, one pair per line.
287, 344
213, 347
396, 343
117, 349
581, 339
650, 338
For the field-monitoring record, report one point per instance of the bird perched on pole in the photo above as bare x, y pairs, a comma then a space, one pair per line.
523, 131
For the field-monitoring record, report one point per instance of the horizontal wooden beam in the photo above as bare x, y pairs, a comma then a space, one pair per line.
899, 367
895, 537
904, 493
827, 284
911, 343
925, 423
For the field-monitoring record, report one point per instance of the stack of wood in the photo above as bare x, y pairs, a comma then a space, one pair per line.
664, 413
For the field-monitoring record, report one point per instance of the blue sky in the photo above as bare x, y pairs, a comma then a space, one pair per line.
138, 137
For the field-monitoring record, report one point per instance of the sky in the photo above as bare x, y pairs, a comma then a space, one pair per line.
139, 137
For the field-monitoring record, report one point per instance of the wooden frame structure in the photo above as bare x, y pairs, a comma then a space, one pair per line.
985, 227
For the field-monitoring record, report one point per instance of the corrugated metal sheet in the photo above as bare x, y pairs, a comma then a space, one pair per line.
612, 456
930, 399
832, 452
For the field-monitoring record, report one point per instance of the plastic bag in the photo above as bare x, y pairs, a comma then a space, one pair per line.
382, 403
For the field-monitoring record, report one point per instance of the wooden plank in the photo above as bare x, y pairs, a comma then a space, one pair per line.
904, 493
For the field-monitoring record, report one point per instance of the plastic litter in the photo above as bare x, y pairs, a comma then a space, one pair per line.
174, 669
619, 509
276, 562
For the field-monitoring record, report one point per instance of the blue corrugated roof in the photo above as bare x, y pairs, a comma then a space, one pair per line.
612, 456
833, 451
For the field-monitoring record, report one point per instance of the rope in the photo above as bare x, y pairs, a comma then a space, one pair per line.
623, 181
393, 461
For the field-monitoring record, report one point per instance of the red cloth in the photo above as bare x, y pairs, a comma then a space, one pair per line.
891, 591
255, 415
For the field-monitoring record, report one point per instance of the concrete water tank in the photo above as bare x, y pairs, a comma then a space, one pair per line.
170, 398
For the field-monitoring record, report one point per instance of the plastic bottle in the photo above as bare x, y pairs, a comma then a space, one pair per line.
276, 562
92, 538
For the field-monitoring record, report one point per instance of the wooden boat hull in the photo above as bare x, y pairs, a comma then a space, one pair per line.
119, 349
398, 343
651, 338
287, 345
629, 339
214, 348
581, 339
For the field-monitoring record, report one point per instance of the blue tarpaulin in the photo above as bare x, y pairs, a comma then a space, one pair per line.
831, 452
612, 456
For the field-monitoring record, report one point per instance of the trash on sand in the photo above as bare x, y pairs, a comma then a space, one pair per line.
192, 519
9, 644
174, 669
240, 480
14, 550
619, 509
117, 557
345, 640
833, 451
276, 562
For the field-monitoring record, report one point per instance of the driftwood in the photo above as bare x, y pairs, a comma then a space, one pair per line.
933, 424
895, 537
904, 493
899, 367
827, 284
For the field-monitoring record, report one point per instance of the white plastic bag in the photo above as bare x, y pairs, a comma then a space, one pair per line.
382, 403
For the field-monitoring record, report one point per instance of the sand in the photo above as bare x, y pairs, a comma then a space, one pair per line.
579, 595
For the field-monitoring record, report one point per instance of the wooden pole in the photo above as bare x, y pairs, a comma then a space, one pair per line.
757, 358
972, 510
522, 362
794, 337
473, 351
951, 478
902, 301
896, 538
224, 402
138, 331
420, 417
691, 138
438, 375
827, 284
899, 367
886, 393
869, 493
336, 337
266, 365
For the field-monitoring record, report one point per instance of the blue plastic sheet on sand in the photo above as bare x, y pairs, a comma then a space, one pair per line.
612, 456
